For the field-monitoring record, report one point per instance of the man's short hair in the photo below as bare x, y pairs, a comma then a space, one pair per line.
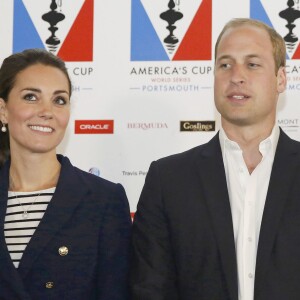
278, 44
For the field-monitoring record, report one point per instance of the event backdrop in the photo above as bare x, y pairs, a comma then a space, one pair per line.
142, 73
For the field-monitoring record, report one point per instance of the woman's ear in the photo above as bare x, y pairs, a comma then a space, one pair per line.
3, 111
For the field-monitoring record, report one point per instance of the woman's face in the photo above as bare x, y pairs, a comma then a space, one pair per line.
37, 110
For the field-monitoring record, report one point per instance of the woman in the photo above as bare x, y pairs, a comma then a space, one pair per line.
66, 232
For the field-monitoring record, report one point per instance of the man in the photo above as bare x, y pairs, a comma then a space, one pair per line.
222, 221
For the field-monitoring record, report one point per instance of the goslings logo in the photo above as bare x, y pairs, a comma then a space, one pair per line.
282, 16
171, 30
94, 126
64, 28
197, 125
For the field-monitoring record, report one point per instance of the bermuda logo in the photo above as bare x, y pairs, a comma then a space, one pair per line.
283, 17
171, 30
62, 27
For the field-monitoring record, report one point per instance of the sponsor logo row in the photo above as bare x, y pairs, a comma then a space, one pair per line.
107, 126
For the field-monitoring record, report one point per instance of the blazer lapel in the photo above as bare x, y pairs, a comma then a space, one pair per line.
284, 168
212, 173
69, 193
8, 272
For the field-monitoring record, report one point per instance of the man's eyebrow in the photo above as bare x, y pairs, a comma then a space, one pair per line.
227, 56
224, 57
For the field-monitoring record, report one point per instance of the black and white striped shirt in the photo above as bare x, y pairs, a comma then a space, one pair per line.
19, 230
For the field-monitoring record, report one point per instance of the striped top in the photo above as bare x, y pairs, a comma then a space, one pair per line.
19, 228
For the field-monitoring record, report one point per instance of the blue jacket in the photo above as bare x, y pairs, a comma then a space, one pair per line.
183, 240
88, 215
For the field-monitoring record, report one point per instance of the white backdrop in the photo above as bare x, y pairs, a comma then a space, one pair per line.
132, 93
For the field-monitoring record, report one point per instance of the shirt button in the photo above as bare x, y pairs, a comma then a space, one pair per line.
49, 285
63, 251
250, 275
249, 239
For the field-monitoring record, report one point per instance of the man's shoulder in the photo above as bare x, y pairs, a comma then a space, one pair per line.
191, 154
286, 141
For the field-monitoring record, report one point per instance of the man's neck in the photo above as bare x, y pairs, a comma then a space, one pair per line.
249, 139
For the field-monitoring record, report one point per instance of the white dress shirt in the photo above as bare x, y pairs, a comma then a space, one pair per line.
247, 195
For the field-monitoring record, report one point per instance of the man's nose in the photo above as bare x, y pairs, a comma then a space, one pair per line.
238, 75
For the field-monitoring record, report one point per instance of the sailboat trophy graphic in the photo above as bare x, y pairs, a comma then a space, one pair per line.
290, 14
53, 17
171, 16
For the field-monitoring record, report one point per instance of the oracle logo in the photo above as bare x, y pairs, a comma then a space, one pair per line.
94, 126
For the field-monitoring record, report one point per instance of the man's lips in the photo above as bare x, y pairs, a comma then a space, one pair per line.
236, 97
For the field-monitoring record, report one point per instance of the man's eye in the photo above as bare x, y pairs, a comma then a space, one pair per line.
225, 66
253, 65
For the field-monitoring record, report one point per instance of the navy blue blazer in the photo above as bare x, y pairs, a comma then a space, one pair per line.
183, 241
88, 215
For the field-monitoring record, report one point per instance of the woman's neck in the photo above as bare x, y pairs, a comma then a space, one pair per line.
33, 172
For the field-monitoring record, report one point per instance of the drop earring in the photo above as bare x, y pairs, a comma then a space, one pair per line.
3, 128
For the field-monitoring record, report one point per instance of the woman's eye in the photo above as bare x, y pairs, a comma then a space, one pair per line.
30, 97
60, 101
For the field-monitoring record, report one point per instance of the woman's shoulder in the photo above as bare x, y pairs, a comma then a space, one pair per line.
88, 178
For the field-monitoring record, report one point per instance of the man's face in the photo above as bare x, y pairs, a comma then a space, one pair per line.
246, 87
